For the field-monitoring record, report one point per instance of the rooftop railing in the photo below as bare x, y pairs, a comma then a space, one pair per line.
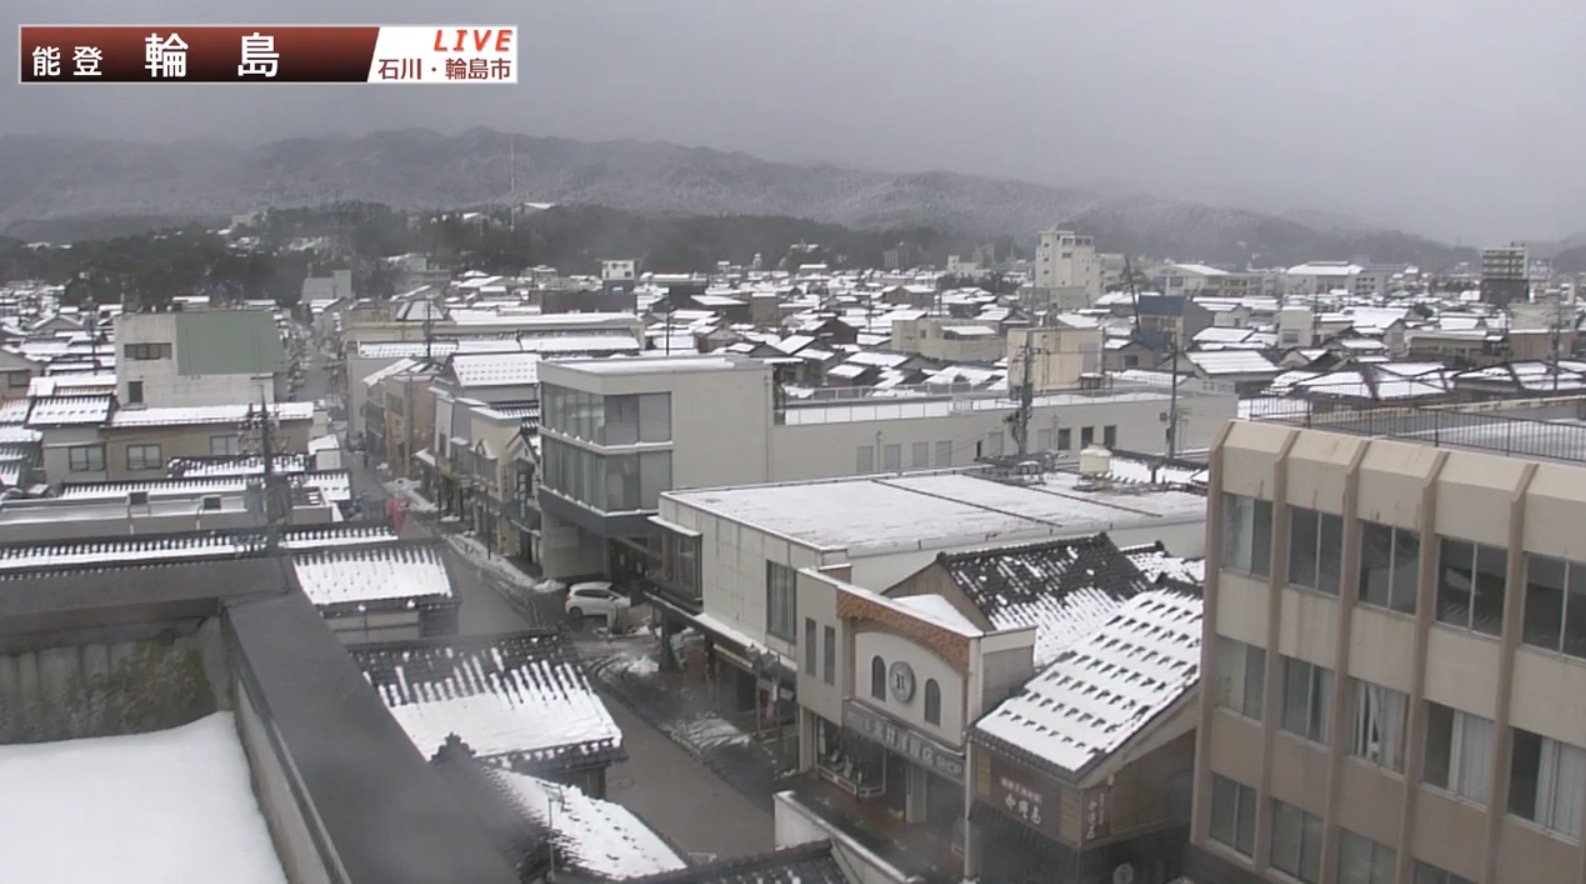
1543, 429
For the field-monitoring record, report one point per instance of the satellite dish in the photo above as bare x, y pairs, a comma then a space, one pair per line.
1123, 874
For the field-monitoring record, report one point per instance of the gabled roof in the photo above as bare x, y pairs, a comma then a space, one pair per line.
811, 863
1063, 588
127, 552
365, 576
68, 411
519, 700
1108, 687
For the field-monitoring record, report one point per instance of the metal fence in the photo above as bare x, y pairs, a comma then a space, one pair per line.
1549, 429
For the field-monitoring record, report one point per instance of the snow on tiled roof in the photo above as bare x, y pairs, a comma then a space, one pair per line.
496, 369
184, 547
240, 465
1220, 362
600, 838
72, 384
208, 414
61, 411
1154, 561
1109, 685
395, 368
334, 485
14, 411
1063, 588
360, 575
514, 698
15, 435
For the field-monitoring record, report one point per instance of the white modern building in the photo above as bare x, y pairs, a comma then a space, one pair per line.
619, 432
191, 358
1067, 260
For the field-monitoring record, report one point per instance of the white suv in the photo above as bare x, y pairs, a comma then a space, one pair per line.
594, 599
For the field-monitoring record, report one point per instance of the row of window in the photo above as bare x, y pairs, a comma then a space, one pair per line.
612, 483
607, 420
1296, 844
939, 455
146, 352
828, 647
91, 458
1470, 582
1547, 779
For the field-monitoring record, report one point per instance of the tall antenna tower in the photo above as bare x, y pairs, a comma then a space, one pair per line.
1020, 420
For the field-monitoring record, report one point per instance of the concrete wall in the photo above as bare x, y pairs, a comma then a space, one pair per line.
108, 688
275, 786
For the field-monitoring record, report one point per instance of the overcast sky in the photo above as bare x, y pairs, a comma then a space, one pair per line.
1457, 118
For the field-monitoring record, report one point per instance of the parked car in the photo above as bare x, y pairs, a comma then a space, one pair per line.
594, 598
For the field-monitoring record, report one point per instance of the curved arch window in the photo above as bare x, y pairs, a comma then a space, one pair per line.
878, 677
933, 701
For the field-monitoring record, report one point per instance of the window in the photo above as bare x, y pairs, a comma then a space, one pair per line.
1547, 783
1065, 439
810, 650
1458, 749
933, 702
892, 458
1307, 700
19, 379
223, 445
680, 560
1364, 861
1471, 578
1296, 842
865, 459
1390, 566
1426, 873
622, 421
1316, 542
829, 664
144, 457
1233, 821
146, 352
608, 483
878, 678
1109, 435
655, 417
86, 458
1377, 724
1555, 605
1247, 535
1241, 676
920, 455
781, 601
1087, 436
134, 392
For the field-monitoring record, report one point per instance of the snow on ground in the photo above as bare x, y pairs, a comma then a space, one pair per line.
484, 559
408, 490
708, 730
169, 807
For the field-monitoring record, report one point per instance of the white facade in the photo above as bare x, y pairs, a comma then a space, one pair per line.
619, 271
1064, 259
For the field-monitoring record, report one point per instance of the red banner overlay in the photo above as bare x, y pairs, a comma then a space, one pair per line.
197, 54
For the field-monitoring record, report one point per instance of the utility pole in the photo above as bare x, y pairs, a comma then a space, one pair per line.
274, 505
1021, 415
1172, 401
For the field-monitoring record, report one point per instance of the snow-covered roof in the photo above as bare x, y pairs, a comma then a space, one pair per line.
154, 790
1230, 362
1063, 588
87, 383
336, 577
514, 699
63, 411
599, 838
874, 515
496, 369
216, 466
208, 414
1154, 561
335, 485
1109, 686
29, 557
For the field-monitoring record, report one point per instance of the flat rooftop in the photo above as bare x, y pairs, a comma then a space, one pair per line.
946, 404
167, 807
869, 515
689, 362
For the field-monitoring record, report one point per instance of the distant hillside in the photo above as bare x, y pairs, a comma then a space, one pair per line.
47, 179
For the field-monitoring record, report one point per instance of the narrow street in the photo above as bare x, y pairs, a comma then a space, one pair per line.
682, 792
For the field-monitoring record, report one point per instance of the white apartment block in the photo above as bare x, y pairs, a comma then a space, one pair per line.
1067, 260
188, 358
1394, 655
618, 432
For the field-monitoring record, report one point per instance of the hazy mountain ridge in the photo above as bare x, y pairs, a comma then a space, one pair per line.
48, 178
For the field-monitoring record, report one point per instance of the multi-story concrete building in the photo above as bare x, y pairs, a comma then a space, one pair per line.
1393, 653
1505, 275
1066, 260
199, 357
618, 432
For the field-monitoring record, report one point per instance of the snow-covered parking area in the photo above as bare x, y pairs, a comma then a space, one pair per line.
169, 807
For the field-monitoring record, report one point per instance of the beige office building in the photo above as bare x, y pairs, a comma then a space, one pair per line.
1395, 656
